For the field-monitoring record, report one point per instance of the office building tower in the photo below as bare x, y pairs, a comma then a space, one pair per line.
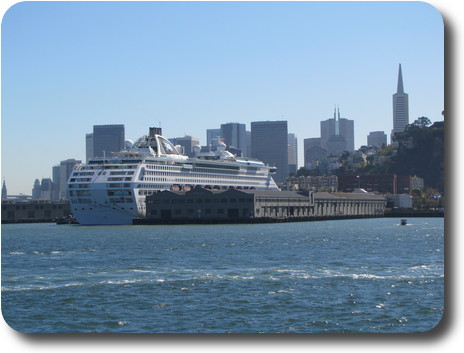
377, 138
337, 134
4, 192
327, 130
56, 182
66, 168
106, 139
36, 190
187, 142
311, 142
234, 135
212, 136
46, 189
248, 143
88, 146
314, 154
400, 108
292, 153
269, 143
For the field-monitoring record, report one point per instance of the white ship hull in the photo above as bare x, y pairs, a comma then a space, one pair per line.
103, 216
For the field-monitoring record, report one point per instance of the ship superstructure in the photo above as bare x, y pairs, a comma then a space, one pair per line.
112, 190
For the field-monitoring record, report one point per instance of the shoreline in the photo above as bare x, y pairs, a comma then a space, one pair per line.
389, 214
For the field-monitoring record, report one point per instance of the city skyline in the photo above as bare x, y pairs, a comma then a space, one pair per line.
56, 86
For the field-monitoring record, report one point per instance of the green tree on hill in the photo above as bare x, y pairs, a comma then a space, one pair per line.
420, 152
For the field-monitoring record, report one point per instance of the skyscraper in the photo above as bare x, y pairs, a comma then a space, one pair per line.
269, 143
337, 134
314, 154
106, 139
187, 142
88, 146
212, 136
36, 190
292, 153
400, 107
66, 168
248, 143
377, 138
56, 174
4, 192
46, 189
234, 134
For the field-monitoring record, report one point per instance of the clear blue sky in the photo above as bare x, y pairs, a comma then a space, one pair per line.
192, 66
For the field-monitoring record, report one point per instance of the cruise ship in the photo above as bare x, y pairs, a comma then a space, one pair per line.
112, 190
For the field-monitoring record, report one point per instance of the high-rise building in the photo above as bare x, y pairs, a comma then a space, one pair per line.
327, 130
337, 134
187, 142
66, 168
314, 154
56, 172
88, 146
234, 135
292, 153
4, 192
311, 142
377, 138
269, 143
36, 190
400, 107
46, 189
106, 139
212, 136
248, 143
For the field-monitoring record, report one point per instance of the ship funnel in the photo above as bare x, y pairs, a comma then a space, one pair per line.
154, 131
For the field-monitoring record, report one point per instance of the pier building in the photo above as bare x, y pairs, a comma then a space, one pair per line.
200, 203
233, 205
14, 211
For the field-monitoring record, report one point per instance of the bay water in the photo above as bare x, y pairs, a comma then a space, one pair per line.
353, 276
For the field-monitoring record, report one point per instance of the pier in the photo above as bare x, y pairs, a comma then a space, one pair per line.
203, 206
35, 211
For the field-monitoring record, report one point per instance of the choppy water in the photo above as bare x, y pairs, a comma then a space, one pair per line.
369, 275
